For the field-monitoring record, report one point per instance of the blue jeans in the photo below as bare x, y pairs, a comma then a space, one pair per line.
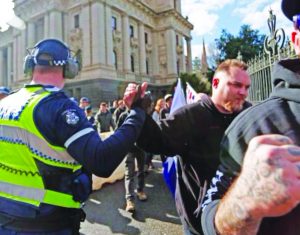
139, 155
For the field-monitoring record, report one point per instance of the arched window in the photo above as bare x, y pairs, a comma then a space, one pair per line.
132, 63
115, 58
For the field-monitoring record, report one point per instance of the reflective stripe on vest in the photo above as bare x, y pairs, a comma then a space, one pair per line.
39, 195
37, 146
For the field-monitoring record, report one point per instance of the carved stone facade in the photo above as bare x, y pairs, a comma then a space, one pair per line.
118, 41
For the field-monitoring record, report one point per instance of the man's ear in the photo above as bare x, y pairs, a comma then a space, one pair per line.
215, 82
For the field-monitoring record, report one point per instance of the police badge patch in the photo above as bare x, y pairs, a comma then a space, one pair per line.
71, 116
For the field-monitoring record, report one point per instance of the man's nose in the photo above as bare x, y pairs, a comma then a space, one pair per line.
243, 91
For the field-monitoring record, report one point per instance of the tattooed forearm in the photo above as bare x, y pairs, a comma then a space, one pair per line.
233, 218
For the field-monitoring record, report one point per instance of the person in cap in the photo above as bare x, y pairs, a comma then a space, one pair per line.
256, 189
84, 102
164, 112
49, 149
194, 133
4, 91
89, 115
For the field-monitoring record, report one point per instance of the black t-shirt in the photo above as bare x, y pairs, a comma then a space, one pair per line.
194, 132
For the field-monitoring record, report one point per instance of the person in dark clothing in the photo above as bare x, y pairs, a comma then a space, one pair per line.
90, 117
49, 149
257, 191
194, 132
137, 154
119, 110
114, 106
104, 120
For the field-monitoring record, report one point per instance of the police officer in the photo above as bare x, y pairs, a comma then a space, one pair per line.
49, 149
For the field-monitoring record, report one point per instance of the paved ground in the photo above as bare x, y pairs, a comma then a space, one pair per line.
157, 216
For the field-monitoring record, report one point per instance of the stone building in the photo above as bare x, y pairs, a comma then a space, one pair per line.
117, 41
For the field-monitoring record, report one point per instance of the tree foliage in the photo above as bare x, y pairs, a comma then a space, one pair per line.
248, 42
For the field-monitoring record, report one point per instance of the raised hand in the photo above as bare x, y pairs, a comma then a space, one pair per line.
134, 92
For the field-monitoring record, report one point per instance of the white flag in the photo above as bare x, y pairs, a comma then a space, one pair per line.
178, 98
191, 94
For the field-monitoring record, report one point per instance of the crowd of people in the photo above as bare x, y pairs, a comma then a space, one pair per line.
237, 169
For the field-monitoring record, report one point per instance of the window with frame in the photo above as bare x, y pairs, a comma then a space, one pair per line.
131, 31
76, 21
114, 23
177, 40
132, 63
115, 58
147, 66
146, 38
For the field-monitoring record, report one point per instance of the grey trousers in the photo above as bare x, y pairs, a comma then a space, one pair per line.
139, 155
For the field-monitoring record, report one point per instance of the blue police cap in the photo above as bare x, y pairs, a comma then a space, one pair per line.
54, 48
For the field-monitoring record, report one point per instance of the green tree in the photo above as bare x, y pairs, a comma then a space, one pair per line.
248, 41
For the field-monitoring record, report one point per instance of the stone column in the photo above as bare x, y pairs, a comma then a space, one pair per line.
182, 57
171, 52
98, 33
22, 52
109, 38
15, 59
189, 55
155, 58
31, 35
126, 43
9, 65
55, 26
46, 25
18, 58
2, 68
142, 49
86, 45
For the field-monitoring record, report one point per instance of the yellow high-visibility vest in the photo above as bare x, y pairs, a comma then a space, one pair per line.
21, 144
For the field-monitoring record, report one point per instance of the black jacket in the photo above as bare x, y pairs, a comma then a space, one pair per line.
280, 114
194, 132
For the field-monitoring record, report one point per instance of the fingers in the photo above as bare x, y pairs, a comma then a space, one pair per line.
131, 88
129, 94
138, 93
143, 88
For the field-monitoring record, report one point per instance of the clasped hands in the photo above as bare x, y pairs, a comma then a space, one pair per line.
136, 96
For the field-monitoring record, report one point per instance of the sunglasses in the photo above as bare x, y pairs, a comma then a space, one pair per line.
296, 20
